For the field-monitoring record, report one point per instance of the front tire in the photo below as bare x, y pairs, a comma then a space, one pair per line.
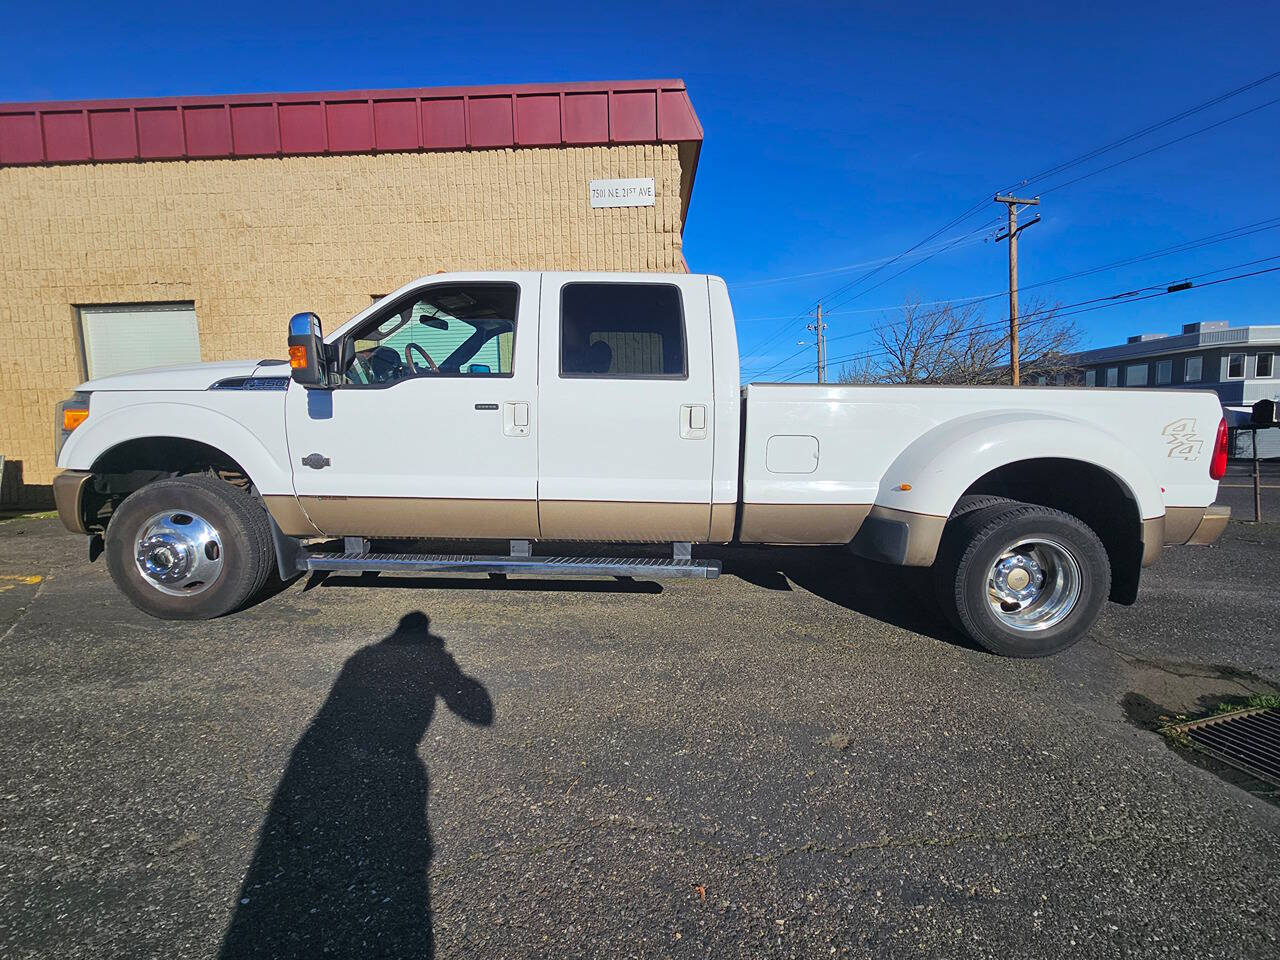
1022, 580
189, 548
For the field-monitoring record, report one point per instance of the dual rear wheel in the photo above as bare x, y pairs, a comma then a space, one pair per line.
1020, 579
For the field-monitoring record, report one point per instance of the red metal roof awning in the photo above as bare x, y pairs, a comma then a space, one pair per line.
359, 121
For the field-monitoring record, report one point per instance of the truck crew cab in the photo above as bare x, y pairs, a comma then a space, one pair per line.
527, 407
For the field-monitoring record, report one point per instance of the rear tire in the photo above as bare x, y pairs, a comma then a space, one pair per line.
189, 548
1020, 579
978, 501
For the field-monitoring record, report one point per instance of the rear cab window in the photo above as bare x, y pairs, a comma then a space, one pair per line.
632, 331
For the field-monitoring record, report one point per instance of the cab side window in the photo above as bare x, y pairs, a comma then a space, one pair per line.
622, 330
447, 330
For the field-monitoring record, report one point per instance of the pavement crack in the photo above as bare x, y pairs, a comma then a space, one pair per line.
1187, 673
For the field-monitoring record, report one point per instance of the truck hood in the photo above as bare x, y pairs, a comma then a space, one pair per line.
194, 376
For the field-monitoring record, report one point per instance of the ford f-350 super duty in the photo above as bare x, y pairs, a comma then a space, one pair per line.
559, 407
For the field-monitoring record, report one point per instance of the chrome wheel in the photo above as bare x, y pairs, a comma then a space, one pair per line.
1033, 584
179, 553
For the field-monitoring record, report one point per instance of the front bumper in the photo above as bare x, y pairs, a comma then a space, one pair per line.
69, 487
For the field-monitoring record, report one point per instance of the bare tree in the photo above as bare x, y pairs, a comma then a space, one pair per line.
959, 345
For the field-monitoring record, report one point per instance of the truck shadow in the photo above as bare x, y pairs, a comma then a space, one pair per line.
341, 867
900, 596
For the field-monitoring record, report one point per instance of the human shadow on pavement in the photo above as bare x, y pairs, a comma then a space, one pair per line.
341, 867
901, 596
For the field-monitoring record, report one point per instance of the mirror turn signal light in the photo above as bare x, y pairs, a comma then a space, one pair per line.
297, 356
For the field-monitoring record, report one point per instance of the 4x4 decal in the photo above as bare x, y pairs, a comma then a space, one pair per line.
1184, 443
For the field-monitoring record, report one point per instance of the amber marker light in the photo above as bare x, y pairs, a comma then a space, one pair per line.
904, 486
72, 418
297, 356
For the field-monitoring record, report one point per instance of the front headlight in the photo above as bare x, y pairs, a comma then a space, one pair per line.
68, 415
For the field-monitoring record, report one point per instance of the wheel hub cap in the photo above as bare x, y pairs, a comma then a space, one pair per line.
1034, 584
179, 553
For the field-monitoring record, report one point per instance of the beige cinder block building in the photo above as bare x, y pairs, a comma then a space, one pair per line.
149, 232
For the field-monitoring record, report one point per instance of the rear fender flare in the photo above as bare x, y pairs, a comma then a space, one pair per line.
923, 483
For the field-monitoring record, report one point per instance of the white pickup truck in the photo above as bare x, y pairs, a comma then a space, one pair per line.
559, 407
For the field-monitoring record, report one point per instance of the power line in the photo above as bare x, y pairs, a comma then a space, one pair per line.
782, 329
854, 296
956, 242
1085, 306
780, 363
1235, 233
1152, 128
1131, 296
975, 328
1160, 146
1083, 158
1117, 163
768, 281
831, 297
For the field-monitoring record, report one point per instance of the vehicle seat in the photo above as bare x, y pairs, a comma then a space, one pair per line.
599, 357
385, 364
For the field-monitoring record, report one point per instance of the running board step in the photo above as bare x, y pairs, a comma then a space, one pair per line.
649, 567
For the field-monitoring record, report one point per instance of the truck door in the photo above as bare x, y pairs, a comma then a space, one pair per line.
432, 432
625, 409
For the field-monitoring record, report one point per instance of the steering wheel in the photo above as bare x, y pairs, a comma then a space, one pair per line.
408, 358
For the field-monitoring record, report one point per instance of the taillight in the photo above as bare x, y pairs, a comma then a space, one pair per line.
1218, 465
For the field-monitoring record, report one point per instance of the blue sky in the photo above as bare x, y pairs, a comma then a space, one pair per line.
836, 134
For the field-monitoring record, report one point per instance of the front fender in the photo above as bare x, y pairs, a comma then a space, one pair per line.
101, 432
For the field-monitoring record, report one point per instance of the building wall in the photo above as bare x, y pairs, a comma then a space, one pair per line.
1240, 391
252, 241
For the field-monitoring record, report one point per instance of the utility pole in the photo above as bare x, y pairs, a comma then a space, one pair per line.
817, 327
1012, 236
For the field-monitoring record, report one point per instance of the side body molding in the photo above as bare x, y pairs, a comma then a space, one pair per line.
937, 467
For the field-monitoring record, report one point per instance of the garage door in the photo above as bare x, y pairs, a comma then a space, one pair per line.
118, 339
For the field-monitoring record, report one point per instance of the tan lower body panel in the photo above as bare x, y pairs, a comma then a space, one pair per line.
723, 517
68, 495
423, 517
801, 523
1180, 523
1153, 539
1211, 527
1198, 526
623, 521
924, 534
288, 515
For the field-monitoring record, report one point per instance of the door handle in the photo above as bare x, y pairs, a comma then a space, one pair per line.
693, 421
515, 418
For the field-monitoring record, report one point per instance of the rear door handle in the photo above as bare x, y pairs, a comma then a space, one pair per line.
693, 421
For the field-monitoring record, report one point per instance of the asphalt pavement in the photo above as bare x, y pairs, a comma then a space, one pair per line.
1236, 490
798, 759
